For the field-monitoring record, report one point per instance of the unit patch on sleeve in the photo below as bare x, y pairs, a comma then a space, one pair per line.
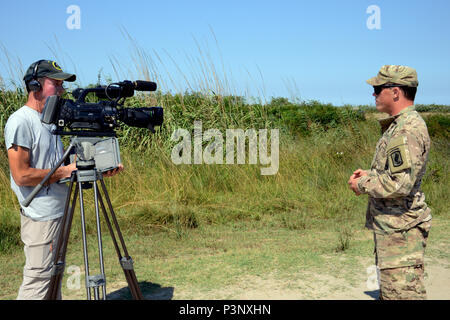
398, 154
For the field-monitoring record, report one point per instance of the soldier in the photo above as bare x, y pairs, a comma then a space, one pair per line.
397, 212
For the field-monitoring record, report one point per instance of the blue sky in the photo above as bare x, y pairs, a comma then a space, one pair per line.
320, 50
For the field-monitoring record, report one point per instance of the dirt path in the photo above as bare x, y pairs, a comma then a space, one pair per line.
305, 286
326, 287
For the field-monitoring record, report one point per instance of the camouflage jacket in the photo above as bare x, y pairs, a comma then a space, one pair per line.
396, 202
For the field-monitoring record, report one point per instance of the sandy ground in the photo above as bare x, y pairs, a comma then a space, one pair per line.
321, 287
326, 287
305, 286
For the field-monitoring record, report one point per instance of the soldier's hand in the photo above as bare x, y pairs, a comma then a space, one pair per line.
353, 180
359, 173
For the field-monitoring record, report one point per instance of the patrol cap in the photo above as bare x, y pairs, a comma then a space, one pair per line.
401, 75
49, 69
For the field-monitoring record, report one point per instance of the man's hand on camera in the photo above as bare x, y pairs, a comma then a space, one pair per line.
113, 172
68, 170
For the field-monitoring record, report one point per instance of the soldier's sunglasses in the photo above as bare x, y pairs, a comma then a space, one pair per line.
377, 89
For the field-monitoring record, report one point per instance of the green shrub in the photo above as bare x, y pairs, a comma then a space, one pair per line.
438, 125
432, 108
308, 117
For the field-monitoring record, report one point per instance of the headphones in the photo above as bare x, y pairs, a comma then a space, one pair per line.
34, 85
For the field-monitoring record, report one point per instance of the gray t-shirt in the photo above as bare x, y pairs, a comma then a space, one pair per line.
24, 128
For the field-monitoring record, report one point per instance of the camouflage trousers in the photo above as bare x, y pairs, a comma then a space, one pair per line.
404, 283
400, 258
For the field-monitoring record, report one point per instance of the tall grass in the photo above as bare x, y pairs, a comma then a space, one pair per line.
320, 146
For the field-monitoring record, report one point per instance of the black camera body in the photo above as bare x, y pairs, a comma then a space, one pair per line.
82, 118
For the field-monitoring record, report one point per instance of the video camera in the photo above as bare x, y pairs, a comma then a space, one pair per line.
101, 118
88, 123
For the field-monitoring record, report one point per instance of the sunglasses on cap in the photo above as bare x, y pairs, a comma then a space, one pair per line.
377, 89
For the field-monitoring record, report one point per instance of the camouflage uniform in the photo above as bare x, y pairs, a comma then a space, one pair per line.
397, 212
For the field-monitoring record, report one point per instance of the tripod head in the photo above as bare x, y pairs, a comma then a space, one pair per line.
93, 156
95, 152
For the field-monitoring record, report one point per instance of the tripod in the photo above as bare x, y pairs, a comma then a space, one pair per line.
86, 177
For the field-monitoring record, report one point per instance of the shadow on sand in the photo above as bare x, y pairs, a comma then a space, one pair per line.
373, 294
150, 291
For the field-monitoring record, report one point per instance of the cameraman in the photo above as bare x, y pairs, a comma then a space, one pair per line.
32, 151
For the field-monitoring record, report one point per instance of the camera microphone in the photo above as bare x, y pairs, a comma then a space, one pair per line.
141, 85
122, 89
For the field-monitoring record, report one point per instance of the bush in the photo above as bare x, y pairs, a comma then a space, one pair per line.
305, 118
432, 108
438, 126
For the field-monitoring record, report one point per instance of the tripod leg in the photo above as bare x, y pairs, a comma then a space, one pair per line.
85, 250
95, 281
125, 261
100, 247
61, 246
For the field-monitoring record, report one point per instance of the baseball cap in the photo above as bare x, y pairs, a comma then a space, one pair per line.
49, 69
401, 75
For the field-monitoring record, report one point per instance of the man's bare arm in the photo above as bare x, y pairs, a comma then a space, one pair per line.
24, 175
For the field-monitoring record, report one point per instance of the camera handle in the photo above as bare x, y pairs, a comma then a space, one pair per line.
41, 184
